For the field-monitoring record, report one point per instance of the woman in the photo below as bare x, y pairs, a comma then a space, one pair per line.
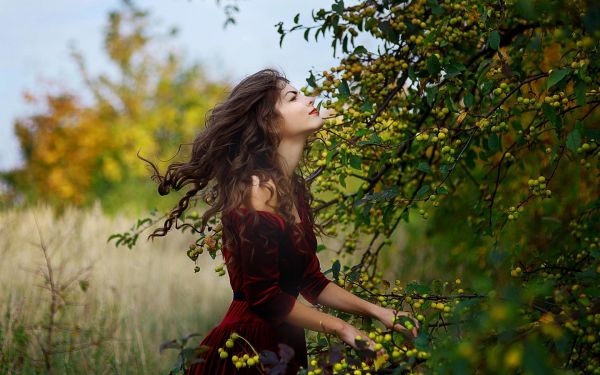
250, 148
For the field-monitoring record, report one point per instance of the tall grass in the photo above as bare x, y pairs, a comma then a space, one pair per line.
72, 303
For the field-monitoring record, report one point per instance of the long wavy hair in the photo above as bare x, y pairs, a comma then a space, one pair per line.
240, 139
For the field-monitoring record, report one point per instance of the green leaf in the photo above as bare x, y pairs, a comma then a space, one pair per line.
360, 50
415, 286
551, 115
306, 32
437, 10
296, 18
336, 269
281, 39
535, 359
367, 106
442, 190
338, 7
424, 167
556, 76
405, 216
330, 154
573, 140
421, 192
375, 140
431, 94
84, 284
469, 100
444, 170
454, 69
580, 89
311, 80
450, 103
320, 247
388, 31
433, 65
116, 235
494, 40
355, 161
384, 195
493, 142
344, 89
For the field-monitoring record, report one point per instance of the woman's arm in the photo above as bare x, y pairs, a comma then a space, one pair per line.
315, 320
340, 299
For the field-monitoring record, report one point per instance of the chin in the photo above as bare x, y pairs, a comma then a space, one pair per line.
316, 129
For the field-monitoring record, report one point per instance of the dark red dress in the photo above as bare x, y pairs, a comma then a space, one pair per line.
265, 290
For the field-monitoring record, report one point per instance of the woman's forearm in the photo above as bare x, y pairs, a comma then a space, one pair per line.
313, 319
340, 299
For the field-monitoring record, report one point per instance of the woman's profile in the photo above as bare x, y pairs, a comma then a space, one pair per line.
246, 157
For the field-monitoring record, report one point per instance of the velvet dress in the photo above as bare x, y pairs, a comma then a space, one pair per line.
265, 288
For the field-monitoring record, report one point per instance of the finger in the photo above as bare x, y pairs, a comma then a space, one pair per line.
417, 323
373, 345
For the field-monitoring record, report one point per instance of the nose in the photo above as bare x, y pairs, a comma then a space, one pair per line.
311, 100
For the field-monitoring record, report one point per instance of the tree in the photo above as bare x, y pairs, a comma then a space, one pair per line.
75, 153
481, 117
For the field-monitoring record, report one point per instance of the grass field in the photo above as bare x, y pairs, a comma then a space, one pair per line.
103, 309
71, 303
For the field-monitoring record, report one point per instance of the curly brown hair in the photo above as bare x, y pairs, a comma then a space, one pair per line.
240, 139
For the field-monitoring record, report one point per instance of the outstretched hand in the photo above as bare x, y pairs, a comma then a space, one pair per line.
386, 316
349, 334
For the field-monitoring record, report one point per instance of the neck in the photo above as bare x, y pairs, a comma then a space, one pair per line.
291, 150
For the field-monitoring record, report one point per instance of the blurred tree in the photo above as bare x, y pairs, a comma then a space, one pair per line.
75, 154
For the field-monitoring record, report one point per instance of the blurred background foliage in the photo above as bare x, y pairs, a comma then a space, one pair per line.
75, 154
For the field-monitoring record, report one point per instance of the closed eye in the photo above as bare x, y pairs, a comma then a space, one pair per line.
293, 98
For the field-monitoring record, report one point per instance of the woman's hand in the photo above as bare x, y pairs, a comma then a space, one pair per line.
348, 335
386, 315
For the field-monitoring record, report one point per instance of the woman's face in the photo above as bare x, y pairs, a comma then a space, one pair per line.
295, 108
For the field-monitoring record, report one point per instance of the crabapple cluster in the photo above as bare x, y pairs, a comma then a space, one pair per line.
502, 91
538, 187
513, 213
220, 270
240, 360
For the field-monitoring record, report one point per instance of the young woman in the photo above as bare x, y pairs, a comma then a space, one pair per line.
249, 151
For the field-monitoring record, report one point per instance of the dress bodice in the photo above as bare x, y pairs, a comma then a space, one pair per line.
276, 265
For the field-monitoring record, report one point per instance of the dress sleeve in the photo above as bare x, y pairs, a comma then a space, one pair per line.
260, 279
313, 280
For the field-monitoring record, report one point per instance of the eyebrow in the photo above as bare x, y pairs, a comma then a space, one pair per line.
293, 92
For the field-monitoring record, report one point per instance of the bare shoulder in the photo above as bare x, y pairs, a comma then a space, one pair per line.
261, 197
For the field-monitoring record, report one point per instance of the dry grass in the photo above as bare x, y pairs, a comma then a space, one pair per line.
136, 298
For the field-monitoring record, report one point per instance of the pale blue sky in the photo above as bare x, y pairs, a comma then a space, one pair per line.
34, 49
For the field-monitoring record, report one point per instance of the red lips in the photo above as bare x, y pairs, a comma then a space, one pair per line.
313, 111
